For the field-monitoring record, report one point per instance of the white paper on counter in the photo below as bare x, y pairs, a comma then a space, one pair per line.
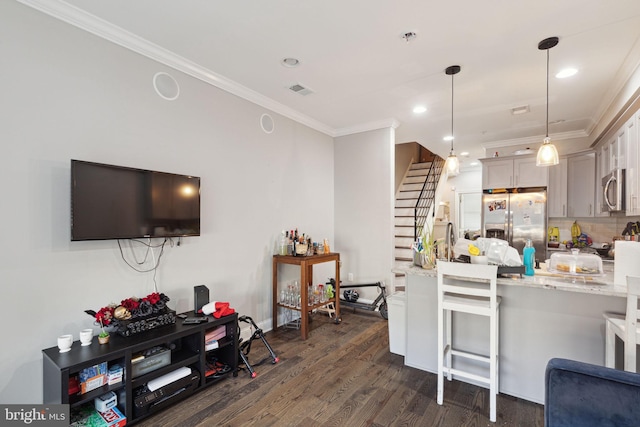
626, 261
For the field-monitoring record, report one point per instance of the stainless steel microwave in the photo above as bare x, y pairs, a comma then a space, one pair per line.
613, 191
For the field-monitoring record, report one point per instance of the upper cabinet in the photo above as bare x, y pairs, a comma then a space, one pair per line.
581, 185
571, 191
633, 163
619, 150
497, 173
557, 190
512, 172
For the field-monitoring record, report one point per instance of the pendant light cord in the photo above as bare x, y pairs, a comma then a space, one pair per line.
452, 112
547, 93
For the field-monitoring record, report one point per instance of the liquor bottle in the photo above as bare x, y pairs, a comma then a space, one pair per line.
284, 242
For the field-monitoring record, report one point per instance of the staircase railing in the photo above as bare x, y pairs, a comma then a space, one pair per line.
425, 203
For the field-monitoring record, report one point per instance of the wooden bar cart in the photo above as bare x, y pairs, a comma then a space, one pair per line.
306, 264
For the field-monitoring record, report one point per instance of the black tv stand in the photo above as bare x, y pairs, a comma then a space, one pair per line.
185, 342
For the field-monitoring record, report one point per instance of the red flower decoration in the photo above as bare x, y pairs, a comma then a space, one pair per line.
105, 315
130, 303
153, 298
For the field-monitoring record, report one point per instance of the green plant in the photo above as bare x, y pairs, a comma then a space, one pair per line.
426, 247
103, 333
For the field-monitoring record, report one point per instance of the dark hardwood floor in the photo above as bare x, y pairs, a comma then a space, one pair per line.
343, 375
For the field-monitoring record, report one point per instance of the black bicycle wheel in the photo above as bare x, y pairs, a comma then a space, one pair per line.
383, 311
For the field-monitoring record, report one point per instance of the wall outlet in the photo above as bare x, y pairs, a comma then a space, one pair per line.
350, 277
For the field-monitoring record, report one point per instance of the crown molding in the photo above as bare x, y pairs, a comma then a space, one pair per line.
92, 24
535, 139
628, 75
365, 127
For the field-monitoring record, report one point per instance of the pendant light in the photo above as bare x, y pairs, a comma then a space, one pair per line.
547, 154
453, 164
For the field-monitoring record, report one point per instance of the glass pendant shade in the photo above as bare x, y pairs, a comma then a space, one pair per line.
453, 164
547, 154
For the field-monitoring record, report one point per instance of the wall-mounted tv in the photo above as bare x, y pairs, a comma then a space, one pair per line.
116, 202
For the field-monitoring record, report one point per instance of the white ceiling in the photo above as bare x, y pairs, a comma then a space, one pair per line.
364, 75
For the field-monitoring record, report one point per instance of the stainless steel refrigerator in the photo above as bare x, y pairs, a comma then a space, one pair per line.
517, 215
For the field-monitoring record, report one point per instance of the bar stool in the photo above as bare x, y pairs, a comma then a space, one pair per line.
624, 326
467, 288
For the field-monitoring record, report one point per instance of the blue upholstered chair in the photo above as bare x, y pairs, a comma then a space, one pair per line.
581, 394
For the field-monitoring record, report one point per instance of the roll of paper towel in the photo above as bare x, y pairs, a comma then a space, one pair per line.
626, 261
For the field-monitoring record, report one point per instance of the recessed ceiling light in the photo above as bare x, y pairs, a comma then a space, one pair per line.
473, 164
567, 72
290, 62
448, 138
464, 153
419, 109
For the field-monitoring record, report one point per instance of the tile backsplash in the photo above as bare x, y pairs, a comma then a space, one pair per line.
599, 229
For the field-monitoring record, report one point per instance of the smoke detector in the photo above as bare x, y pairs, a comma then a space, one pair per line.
299, 89
290, 62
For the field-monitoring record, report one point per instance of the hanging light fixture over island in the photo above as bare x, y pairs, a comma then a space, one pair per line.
547, 153
453, 164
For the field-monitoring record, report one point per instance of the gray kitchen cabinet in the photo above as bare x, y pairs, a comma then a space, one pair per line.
581, 185
571, 191
633, 163
557, 190
513, 172
619, 149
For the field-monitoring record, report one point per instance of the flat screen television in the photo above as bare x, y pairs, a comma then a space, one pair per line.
116, 202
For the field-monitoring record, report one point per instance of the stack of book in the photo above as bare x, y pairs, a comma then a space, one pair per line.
212, 337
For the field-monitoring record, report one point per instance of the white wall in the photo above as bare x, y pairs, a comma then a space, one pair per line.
405, 155
68, 94
364, 197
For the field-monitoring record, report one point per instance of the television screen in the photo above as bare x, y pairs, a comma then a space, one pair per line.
115, 202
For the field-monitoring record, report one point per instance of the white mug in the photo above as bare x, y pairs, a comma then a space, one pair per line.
86, 335
64, 342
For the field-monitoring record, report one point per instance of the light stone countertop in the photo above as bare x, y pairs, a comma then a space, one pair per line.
597, 285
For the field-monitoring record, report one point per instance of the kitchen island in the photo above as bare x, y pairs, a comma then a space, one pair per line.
541, 317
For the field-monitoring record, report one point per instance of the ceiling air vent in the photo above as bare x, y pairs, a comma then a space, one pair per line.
520, 110
299, 89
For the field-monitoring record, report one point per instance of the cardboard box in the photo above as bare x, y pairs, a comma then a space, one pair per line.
86, 416
115, 374
93, 377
